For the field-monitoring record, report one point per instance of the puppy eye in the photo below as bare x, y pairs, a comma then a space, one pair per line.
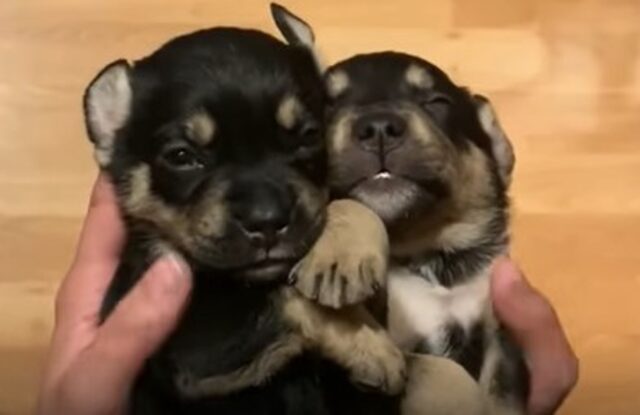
437, 105
309, 132
181, 158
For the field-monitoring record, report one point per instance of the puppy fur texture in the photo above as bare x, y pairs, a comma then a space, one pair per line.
431, 159
215, 146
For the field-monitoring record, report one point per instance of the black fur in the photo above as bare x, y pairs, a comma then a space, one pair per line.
451, 268
237, 77
512, 377
386, 70
378, 83
219, 333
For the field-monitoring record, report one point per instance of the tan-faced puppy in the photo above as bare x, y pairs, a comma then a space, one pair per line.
432, 161
216, 148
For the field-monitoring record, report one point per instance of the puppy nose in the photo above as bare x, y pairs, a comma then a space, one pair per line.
380, 131
264, 214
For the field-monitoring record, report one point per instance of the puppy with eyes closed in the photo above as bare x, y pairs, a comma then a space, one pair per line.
432, 161
215, 146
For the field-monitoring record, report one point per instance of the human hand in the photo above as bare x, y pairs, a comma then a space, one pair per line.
533, 322
91, 367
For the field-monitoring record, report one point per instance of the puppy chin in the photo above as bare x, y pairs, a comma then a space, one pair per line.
266, 271
391, 197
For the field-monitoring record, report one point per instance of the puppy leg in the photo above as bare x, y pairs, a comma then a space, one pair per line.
439, 386
351, 338
504, 376
348, 263
256, 373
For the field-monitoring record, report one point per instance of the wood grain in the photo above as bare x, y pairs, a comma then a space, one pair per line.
564, 76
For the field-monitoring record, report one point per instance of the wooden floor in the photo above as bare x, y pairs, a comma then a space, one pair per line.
564, 75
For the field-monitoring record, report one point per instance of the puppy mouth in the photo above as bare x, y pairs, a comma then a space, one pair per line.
394, 196
268, 268
275, 263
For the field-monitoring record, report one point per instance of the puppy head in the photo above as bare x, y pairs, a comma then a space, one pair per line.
410, 144
215, 146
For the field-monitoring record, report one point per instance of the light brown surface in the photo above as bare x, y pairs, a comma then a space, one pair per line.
564, 76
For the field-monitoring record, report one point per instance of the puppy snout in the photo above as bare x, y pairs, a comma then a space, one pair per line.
380, 131
264, 214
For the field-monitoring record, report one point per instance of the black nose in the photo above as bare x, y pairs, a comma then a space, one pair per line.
380, 131
263, 211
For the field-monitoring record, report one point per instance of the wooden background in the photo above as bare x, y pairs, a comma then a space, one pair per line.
564, 75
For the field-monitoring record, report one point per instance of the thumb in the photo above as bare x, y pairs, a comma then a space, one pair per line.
517, 304
139, 324
532, 321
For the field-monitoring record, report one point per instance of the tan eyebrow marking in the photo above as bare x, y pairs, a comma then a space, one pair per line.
337, 83
288, 111
419, 77
200, 128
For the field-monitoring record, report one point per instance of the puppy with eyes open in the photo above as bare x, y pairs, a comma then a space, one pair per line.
432, 161
215, 146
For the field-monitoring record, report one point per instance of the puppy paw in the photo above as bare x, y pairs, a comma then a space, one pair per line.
348, 263
378, 364
336, 279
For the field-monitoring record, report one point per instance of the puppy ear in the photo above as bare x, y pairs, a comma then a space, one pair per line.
107, 106
295, 30
502, 149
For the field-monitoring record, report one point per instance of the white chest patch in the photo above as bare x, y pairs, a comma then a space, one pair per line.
420, 309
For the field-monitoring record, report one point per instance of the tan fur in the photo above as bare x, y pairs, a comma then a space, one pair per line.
260, 370
289, 110
419, 77
439, 386
140, 203
185, 226
340, 133
337, 82
459, 223
313, 201
348, 263
200, 128
351, 338
436, 147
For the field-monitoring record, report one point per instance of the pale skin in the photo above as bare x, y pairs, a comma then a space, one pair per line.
91, 367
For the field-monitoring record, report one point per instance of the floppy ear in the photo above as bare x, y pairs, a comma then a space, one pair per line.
107, 105
500, 144
295, 30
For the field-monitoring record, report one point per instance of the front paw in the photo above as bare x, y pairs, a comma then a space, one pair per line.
336, 280
348, 263
376, 363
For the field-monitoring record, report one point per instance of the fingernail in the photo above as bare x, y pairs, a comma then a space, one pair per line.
178, 264
173, 271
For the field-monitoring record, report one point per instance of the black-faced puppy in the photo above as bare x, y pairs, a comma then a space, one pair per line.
215, 144
432, 161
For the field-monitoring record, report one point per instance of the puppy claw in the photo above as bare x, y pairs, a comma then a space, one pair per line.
350, 258
292, 278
